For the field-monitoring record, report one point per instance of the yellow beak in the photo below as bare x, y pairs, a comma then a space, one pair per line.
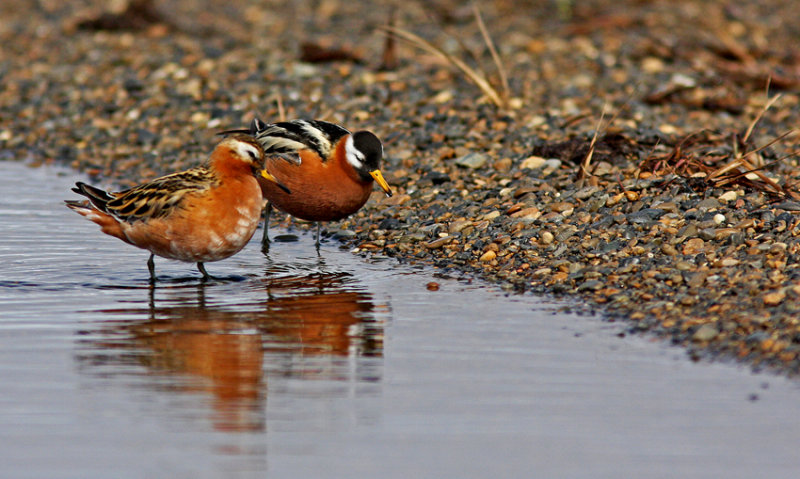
376, 174
265, 174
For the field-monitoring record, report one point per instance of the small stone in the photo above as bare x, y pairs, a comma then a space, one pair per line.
652, 65
591, 285
668, 249
774, 298
533, 162
708, 233
503, 164
723, 233
488, 256
458, 225
694, 246
684, 266
719, 218
438, 243
728, 196
344, 234
726, 262
546, 238
706, 332
683, 80
443, 96
561, 206
552, 164
645, 215
432, 286
491, 215
472, 160
615, 199
531, 213
708, 204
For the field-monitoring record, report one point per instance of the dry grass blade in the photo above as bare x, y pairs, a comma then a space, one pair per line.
584, 171
281, 111
479, 80
726, 168
501, 71
758, 117
774, 140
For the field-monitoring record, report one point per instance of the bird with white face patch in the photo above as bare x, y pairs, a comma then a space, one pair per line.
206, 213
329, 170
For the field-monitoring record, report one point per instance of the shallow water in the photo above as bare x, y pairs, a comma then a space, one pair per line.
299, 365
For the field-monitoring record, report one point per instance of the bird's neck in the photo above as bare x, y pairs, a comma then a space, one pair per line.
224, 163
341, 155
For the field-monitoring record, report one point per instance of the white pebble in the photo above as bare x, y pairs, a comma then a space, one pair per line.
719, 218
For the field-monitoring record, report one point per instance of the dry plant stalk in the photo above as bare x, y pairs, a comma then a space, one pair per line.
584, 168
479, 78
501, 71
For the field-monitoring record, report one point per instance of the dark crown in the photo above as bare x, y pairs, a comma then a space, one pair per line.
369, 144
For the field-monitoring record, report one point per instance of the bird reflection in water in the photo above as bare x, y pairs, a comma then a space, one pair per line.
306, 326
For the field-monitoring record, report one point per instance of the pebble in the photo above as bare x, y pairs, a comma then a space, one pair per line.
706, 332
693, 246
533, 162
472, 160
438, 243
488, 256
774, 298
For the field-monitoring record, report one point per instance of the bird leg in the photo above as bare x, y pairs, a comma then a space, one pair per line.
319, 226
152, 267
267, 212
202, 269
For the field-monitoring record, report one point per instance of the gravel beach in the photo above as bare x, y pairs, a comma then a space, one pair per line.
641, 158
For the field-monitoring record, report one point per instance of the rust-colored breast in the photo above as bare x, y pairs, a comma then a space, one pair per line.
321, 191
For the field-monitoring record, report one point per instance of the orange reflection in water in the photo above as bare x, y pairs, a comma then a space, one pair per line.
301, 320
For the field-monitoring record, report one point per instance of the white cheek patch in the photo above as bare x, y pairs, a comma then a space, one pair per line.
353, 155
248, 152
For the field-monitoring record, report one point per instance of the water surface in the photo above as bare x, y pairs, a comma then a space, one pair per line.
295, 364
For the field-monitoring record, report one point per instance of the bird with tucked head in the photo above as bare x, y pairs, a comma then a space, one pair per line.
203, 214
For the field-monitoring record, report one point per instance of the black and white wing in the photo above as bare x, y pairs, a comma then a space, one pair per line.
287, 138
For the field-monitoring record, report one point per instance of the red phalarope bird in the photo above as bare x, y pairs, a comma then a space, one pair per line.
329, 170
206, 213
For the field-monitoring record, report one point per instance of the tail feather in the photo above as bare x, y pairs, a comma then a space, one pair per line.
98, 197
108, 223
